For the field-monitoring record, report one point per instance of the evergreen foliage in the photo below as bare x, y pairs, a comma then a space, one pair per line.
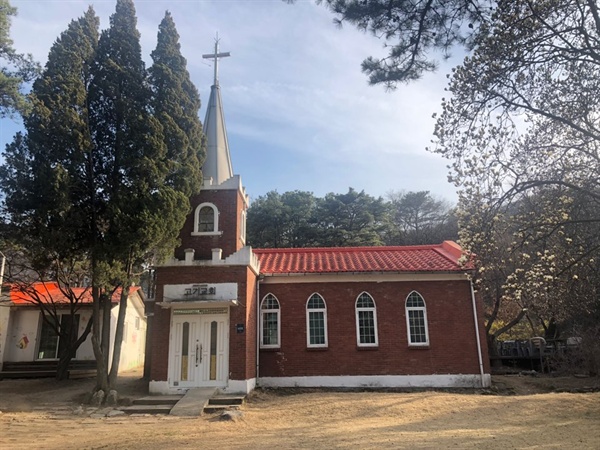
176, 103
299, 219
95, 177
417, 218
412, 31
45, 179
349, 220
15, 69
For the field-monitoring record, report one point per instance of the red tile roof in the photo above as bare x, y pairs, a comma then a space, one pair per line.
424, 258
51, 293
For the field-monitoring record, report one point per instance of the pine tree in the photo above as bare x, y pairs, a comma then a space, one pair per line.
176, 104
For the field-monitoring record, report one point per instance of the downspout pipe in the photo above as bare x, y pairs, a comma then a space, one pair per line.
477, 336
2, 271
257, 327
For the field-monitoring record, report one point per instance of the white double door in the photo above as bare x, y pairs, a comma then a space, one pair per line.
199, 353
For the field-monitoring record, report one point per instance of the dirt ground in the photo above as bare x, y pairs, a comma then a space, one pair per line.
520, 412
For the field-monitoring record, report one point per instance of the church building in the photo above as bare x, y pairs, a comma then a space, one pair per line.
229, 316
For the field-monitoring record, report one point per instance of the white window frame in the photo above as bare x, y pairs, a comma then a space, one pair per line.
416, 308
243, 227
363, 309
215, 231
262, 312
316, 310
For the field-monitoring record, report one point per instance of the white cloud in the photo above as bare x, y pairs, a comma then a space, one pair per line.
293, 92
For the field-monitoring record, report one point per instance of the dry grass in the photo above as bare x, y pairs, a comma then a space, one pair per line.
326, 419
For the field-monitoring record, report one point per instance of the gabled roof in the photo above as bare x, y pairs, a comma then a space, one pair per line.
51, 293
423, 258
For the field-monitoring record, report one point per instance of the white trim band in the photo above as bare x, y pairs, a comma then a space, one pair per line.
381, 381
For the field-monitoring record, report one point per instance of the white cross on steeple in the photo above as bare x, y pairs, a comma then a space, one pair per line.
216, 55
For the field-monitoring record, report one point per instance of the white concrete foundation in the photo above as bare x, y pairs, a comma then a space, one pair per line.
233, 387
381, 381
240, 386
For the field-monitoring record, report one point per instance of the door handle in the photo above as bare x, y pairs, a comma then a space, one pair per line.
198, 354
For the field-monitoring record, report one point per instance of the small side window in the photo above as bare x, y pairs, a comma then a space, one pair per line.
206, 220
416, 320
316, 321
270, 326
366, 321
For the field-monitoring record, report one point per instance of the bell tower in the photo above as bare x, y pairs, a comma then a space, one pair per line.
204, 316
218, 216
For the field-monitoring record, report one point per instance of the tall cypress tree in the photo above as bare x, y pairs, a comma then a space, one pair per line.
176, 104
92, 176
138, 210
50, 177
45, 175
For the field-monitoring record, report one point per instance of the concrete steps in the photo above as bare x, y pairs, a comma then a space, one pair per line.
194, 403
46, 369
153, 404
222, 403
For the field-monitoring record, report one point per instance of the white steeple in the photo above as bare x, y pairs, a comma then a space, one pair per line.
217, 165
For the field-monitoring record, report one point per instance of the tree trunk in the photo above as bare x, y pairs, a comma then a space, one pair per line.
70, 350
106, 325
97, 332
116, 356
492, 345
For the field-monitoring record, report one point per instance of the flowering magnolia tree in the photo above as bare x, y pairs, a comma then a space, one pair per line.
522, 131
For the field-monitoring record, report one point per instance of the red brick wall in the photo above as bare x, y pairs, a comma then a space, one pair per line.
452, 348
242, 353
230, 205
160, 344
251, 331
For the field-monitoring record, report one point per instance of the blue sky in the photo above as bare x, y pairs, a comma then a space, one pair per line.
300, 114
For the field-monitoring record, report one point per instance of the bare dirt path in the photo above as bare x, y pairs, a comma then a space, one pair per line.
321, 420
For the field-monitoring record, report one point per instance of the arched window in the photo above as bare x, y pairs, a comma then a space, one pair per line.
416, 319
366, 321
270, 325
206, 220
316, 322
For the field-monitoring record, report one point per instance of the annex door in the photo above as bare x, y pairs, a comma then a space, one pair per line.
199, 351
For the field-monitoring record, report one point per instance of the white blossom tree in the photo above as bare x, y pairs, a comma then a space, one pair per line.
521, 129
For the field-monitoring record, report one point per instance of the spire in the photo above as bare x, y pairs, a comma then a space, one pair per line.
218, 161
